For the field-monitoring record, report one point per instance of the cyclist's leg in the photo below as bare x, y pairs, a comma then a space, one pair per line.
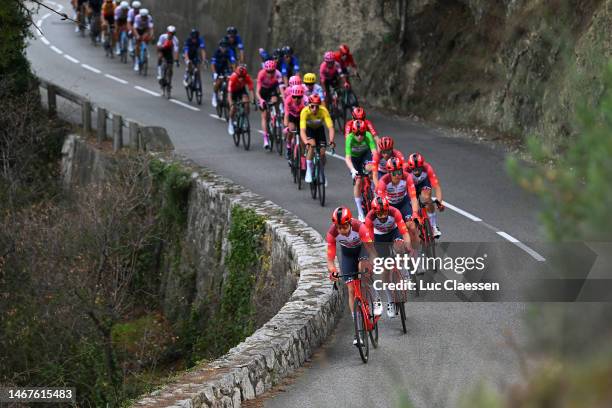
358, 164
424, 191
349, 266
405, 207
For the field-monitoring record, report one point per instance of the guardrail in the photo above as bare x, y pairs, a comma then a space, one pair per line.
141, 137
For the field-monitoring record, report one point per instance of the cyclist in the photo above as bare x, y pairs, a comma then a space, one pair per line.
94, 12
329, 72
386, 224
108, 18
398, 187
290, 65
312, 133
293, 81
235, 43
294, 103
312, 87
194, 52
356, 246
142, 31
221, 64
359, 113
237, 91
80, 10
359, 148
167, 49
380, 158
131, 16
269, 81
345, 58
424, 178
121, 23
276, 56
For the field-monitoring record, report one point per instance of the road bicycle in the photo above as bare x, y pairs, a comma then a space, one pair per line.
94, 28
166, 80
335, 110
107, 40
222, 104
194, 83
143, 58
400, 293
123, 46
297, 162
366, 192
428, 242
275, 126
317, 186
366, 323
242, 126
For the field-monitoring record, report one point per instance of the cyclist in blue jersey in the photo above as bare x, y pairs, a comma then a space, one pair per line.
235, 43
290, 65
194, 52
222, 64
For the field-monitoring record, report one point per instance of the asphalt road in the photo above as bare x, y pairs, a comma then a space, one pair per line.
449, 346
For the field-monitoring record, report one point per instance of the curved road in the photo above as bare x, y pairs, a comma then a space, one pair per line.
449, 346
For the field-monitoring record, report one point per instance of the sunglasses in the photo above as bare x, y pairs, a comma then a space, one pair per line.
297, 97
386, 151
397, 172
382, 214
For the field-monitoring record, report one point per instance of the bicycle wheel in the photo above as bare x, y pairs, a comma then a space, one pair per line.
279, 136
219, 107
399, 296
360, 331
373, 334
315, 178
298, 166
321, 182
189, 88
198, 89
401, 306
430, 242
237, 131
271, 135
246, 132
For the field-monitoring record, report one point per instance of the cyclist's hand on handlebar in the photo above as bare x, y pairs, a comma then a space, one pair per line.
333, 276
354, 173
440, 205
332, 145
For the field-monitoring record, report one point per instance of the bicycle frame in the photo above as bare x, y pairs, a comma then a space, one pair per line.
355, 283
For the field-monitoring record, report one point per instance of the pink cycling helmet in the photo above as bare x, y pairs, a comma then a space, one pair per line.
329, 56
270, 65
295, 80
297, 90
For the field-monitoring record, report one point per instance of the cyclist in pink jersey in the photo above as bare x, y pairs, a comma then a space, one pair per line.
330, 71
294, 103
269, 88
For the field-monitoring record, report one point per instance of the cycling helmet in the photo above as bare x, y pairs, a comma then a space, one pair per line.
270, 65
385, 143
344, 49
358, 113
195, 33
297, 90
295, 80
124, 5
310, 78
341, 215
394, 164
143, 12
415, 160
171, 29
358, 127
287, 50
223, 43
136, 4
314, 99
277, 53
241, 71
380, 204
231, 30
329, 56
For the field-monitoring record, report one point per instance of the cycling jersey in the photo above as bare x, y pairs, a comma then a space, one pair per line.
312, 120
108, 9
237, 84
380, 163
222, 60
369, 127
327, 73
355, 238
394, 220
121, 15
428, 174
356, 148
236, 44
316, 89
347, 62
132, 15
95, 6
292, 107
287, 91
291, 68
192, 48
396, 193
165, 40
141, 23
266, 81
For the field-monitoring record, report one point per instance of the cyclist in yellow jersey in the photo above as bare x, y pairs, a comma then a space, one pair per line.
312, 133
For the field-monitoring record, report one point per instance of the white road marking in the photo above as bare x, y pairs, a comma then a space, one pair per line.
54, 48
183, 104
524, 247
140, 88
70, 58
45, 16
44, 40
90, 68
114, 78
39, 24
462, 212
212, 115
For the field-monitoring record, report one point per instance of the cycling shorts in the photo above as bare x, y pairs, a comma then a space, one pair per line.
349, 261
295, 120
141, 31
360, 161
110, 19
318, 134
268, 93
423, 185
237, 95
404, 207
383, 242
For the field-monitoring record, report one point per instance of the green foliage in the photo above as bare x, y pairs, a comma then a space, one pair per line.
15, 25
575, 189
174, 183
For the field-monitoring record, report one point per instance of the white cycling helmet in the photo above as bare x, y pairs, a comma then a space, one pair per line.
136, 4
143, 12
124, 5
171, 29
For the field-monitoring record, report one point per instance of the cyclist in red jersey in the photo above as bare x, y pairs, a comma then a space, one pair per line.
380, 158
424, 178
237, 86
359, 114
386, 224
398, 186
356, 247
330, 72
345, 59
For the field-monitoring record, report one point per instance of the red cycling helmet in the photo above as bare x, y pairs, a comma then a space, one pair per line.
241, 71
385, 143
380, 204
394, 164
270, 65
415, 160
314, 99
295, 80
341, 215
329, 56
358, 113
358, 127
297, 90
344, 49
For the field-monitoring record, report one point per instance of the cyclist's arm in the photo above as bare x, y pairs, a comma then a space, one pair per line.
348, 153
411, 190
371, 143
202, 50
381, 187
286, 116
303, 123
433, 179
368, 241
375, 162
371, 129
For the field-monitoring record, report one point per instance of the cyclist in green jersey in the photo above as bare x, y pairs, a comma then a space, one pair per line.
359, 148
